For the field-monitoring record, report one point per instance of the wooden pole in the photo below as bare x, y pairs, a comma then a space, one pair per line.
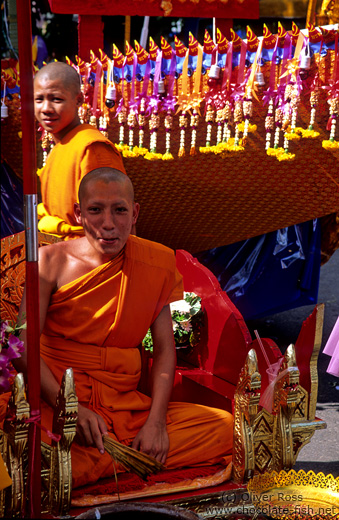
31, 238
127, 29
312, 4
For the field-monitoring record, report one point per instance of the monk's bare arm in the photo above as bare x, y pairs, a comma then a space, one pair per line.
153, 437
90, 426
47, 275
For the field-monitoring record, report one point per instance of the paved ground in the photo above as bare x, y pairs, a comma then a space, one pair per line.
322, 453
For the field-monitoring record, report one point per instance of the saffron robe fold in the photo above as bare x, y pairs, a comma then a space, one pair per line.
94, 325
83, 149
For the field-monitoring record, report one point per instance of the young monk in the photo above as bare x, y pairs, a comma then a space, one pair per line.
98, 297
79, 148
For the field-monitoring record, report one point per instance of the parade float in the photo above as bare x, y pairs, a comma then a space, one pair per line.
224, 139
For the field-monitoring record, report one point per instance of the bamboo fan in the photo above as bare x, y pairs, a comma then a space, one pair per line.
132, 460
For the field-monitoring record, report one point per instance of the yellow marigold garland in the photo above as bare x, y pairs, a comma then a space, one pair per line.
274, 151
330, 145
310, 133
122, 147
182, 125
140, 151
153, 156
167, 156
251, 127
168, 122
286, 156
194, 125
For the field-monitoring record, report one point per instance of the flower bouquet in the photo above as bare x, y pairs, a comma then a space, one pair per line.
187, 320
10, 348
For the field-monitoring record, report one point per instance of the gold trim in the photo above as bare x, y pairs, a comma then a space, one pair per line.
298, 494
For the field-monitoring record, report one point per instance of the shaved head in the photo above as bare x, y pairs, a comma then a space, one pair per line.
63, 72
106, 175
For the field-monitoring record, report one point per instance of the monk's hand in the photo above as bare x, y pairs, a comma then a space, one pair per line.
90, 429
153, 439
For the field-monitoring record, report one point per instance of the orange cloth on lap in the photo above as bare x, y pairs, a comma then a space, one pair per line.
83, 149
5, 479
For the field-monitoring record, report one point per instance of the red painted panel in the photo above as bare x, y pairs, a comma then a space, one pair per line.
203, 9
228, 340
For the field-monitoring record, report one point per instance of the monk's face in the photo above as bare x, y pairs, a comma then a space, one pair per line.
107, 214
56, 106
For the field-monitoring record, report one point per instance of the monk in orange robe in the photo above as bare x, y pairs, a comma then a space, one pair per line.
79, 148
98, 297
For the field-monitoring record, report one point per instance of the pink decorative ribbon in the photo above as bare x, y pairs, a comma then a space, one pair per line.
226, 82
36, 421
242, 61
96, 86
270, 92
146, 79
266, 399
157, 73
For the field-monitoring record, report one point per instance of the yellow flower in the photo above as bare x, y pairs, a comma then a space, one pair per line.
275, 151
152, 156
310, 133
235, 148
140, 151
286, 156
292, 136
251, 128
205, 149
122, 147
128, 153
167, 157
330, 145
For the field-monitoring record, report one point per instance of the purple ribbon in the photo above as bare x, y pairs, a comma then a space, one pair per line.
239, 90
120, 106
286, 56
146, 79
157, 73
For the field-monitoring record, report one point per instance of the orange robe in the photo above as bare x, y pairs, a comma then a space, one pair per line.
83, 149
94, 325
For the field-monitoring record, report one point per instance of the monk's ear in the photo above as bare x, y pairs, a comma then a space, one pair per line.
136, 209
77, 213
79, 99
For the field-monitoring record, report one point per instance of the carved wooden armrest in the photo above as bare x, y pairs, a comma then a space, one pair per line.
14, 441
286, 394
265, 441
56, 471
246, 401
64, 424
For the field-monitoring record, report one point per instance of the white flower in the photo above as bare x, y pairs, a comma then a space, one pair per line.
180, 306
